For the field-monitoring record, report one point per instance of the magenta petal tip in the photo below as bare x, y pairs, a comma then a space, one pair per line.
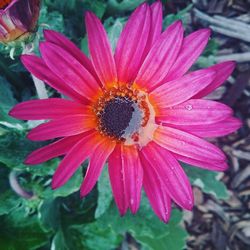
29, 136
178, 23
89, 14
225, 167
28, 161
134, 209
42, 45
47, 32
206, 31
232, 64
12, 112
122, 213
165, 218
189, 203
24, 58
54, 184
82, 195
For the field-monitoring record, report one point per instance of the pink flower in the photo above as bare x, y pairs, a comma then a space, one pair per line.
139, 109
18, 19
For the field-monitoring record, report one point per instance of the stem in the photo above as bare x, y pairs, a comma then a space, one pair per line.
40, 88
13, 179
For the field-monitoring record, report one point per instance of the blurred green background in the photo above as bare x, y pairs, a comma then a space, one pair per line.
39, 218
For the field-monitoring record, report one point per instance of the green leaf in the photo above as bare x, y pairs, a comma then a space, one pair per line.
124, 5
160, 241
84, 46
207, 181
145, 226
14, 147
204, 62
181, 15
49, 214
53, 19
61, 242
48, 20
211, 48
104, 194
8, 202
87, 237
208, 56
61, 5
71, 186
175, 231
92, 237
97, 6
8, 199
7, 101
6, 96
114, 28
21, 232
174, 240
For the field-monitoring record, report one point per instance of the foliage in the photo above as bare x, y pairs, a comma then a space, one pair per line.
207, 181
61, 219
180, 15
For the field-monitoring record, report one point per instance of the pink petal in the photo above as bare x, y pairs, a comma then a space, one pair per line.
171, 174
133, 175
161, 57
74, 158
69, 70
52, 108
100, 49
156, 191
96, 163
221, 128
213, 166
195, 112
156, 23
63, 42
188, 145
55, 149
66, 126
38, 68
131, 45
192, 47
223, 71
180, 90
126, 174
117, 180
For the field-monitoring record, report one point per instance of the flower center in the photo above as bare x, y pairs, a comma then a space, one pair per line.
4, 3
116, 116
125, 114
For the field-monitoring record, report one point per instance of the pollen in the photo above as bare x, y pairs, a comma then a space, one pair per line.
122, 113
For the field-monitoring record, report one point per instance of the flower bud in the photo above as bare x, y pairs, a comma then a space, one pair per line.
18, 20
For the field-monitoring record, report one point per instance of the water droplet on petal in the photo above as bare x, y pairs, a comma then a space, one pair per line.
189, 107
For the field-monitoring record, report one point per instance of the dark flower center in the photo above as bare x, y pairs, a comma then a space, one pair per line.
124, 114
4, 3
116, 116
